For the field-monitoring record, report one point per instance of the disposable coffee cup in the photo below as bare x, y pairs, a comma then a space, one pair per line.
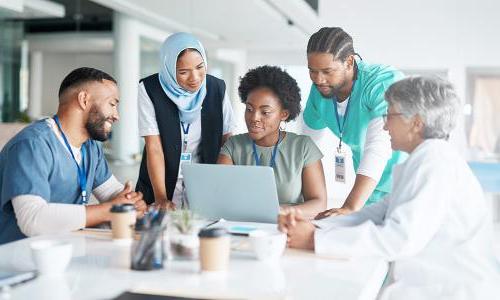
123, 218
215, 248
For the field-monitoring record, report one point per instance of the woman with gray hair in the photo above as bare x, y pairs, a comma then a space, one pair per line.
434, 227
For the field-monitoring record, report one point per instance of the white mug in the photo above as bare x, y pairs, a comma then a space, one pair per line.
51, 257
268, 245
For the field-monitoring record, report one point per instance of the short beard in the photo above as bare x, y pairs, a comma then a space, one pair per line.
95, 125
328, 96
336, 90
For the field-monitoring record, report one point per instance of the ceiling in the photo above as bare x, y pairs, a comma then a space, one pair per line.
81, 15
30, 9
253, 25
249, 24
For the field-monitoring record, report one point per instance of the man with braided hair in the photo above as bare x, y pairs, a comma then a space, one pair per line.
347, 96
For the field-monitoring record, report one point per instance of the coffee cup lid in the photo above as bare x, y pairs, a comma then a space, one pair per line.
212, 232
119, 208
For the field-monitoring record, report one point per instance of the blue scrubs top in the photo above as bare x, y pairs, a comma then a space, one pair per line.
35, 162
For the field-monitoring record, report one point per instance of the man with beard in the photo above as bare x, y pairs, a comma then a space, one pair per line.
355, 114
49, 169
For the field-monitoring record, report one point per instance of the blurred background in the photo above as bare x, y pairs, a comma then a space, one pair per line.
41, 41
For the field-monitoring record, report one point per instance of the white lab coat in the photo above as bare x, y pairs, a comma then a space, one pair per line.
434, 228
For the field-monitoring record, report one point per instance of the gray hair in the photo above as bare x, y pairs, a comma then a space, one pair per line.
432, 98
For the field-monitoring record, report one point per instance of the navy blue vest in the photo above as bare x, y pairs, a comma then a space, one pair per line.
167, 117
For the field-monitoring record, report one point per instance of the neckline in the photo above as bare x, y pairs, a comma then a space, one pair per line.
55, 130
281, 142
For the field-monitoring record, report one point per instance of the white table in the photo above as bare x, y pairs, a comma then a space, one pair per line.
99, 269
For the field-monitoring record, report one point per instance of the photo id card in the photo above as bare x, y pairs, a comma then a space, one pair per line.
185, 159
340, 167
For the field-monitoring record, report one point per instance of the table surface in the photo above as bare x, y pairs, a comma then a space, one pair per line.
99, 269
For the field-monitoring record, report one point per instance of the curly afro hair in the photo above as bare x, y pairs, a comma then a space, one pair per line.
278, 81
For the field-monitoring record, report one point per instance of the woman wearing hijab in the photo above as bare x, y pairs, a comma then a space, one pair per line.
184, 116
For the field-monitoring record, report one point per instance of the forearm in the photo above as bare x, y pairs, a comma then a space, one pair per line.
108, 190
390, 234
225, 137
377, 150
312, 207
361, 191
97, 214
313, 190
224, 160
36, 216
156, 169
375, 213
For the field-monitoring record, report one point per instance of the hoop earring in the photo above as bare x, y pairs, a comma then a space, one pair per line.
283, 127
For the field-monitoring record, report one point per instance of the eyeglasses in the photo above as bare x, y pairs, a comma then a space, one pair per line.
386, 116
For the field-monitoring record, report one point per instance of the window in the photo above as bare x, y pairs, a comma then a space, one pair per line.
483, 124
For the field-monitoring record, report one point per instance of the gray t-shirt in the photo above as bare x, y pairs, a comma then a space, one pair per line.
294, 153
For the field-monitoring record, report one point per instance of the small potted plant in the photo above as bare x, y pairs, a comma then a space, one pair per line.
183, 234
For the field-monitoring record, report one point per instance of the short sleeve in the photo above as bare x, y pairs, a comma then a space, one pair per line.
228, 148
146, 112
102, 171
227, 114
27, 168
311, 151
375, 92
312, 115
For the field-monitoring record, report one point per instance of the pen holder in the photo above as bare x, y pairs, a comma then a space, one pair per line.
148, 252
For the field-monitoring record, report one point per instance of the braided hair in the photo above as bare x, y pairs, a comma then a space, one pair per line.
333, 40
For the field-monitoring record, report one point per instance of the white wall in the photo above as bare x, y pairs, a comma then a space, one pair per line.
57, 65
426, 34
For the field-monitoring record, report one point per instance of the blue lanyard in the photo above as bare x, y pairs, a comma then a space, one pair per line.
273, 156
82, 174
341, 128
186, 132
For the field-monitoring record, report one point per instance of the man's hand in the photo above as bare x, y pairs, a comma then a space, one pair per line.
300, 231
333, 212
128, 196
98, 213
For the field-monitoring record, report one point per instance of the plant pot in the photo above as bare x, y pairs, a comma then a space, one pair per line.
184, 246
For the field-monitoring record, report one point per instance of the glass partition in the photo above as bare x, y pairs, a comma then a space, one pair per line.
11, 36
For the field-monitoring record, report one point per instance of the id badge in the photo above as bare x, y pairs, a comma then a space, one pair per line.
340, 166
185, 159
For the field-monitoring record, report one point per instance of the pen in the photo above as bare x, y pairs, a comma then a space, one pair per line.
214, 222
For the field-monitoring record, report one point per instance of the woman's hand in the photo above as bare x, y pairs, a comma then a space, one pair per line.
164, 204
299, 231
333, 212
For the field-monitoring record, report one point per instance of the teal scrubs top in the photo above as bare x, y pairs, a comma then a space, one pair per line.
366, 103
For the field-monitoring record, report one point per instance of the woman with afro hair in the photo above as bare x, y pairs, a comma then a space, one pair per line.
271, 97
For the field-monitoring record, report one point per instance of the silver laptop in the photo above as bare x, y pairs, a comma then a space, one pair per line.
234, 193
